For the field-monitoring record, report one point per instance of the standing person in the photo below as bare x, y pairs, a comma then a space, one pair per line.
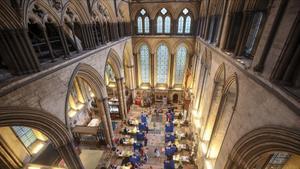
145, 141
147, 129
157, 153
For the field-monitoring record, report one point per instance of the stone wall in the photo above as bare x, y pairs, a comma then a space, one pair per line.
257, 105
47, 90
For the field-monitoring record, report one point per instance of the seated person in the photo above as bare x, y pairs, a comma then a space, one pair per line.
135, 160
125, 130
137, 146
122, 140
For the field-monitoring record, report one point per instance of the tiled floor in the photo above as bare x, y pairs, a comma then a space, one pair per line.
155, 139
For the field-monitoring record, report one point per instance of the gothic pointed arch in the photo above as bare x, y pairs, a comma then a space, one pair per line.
116, 64
95, 91
46, 123
224, 115
114, 60
248, 149
209, 122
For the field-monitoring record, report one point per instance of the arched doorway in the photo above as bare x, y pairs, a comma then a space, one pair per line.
45, 123
86, 110
260, 147
114, 76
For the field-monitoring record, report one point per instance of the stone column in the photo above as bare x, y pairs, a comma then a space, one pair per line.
17, 51
221, 23
48, 44
103, 115
63, 41
70, 157
152, 70
8, 158
102, 32
124, 97
121, 97
136, 69
171, 80
224, 31
152, 27
108, 119
74, 38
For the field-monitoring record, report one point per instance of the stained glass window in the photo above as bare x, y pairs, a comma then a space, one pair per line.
180, 24
162, 64
140, 24
180, 64
146, 24
167, 24
25, 134
159, 24
188, 24
145, 64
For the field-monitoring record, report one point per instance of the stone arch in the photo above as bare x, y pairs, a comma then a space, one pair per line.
186, 43
115, 62
44, 6
138, 45
97, 84
80, 13
48, 124
209, 122
262, 140
107, 6
224, 116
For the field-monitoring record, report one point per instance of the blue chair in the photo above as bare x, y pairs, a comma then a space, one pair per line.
140, 136
169, 164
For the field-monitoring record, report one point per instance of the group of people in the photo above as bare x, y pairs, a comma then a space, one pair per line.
139, 156
171, 148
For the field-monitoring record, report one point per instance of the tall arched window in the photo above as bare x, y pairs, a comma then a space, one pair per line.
143, 22
146, 24
163, 22
180, 24
180, 62
184, 22
140, 24
162, 64
167, 24
188, 21
159, 24
145, 64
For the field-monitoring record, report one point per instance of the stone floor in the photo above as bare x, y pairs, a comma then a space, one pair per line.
155, 137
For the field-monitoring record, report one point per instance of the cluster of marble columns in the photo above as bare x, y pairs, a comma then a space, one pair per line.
17, 52
131, 78
122, 97
105, 116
